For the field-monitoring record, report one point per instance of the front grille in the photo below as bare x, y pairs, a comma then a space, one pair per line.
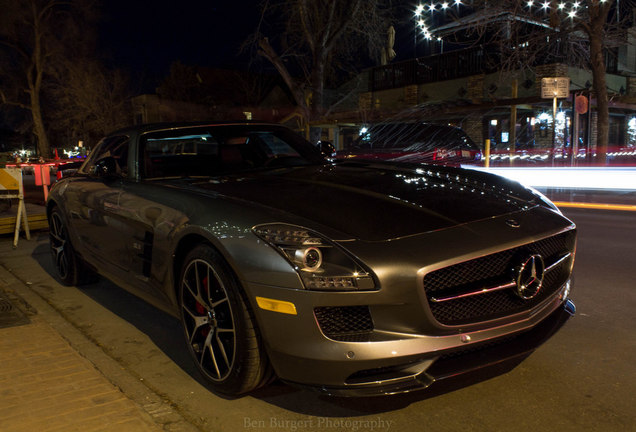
345, 323
491, 270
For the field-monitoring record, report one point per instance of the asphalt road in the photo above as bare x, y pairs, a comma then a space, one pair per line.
580, 380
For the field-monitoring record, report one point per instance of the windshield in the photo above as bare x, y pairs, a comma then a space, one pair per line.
220, 150
414, 137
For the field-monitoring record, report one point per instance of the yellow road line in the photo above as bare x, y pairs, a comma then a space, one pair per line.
597, 206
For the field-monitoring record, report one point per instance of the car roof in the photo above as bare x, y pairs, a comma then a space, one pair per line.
413, 124
149, 127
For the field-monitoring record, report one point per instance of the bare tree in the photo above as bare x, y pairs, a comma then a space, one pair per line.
91, 100
184, 84
315, 42
31, 42
214, 86
528, 33
596, 28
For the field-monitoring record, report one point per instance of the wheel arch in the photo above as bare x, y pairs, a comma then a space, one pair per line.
257, 350
50, 205
181, 250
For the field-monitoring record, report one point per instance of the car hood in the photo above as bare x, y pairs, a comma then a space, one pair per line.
377, 201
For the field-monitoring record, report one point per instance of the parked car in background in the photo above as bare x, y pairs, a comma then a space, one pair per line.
347, 277
415, 142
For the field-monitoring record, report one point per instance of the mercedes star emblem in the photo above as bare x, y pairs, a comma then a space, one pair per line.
530, 277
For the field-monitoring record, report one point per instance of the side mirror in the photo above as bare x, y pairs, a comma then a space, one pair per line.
66, 173
106, 167
327, 149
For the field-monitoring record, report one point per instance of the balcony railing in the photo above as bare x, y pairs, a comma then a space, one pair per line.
456, 64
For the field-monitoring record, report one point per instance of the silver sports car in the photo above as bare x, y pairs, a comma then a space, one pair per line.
349, 277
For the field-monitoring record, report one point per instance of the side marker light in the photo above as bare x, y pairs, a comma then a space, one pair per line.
276, 305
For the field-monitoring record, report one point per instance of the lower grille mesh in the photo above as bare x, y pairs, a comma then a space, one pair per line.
345, 323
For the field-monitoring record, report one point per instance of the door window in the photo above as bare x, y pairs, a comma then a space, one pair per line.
110, 154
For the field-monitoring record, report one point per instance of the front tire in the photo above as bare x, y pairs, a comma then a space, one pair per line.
219, 326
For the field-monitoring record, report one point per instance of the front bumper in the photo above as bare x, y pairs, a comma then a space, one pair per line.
486, 355
394, 362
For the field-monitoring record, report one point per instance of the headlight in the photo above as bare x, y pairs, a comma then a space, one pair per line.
321, 264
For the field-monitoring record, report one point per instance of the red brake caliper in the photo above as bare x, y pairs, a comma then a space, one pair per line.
202, 310
199, 307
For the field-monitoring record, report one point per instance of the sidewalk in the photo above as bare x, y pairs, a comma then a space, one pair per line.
46, 385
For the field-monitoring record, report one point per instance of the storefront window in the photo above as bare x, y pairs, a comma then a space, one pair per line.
616, 131
631, 132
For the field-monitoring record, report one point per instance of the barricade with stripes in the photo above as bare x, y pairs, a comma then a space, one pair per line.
11, 187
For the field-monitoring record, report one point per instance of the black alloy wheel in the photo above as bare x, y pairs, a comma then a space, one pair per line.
59, 250
218, 325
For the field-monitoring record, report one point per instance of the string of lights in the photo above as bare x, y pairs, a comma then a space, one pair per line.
424, 12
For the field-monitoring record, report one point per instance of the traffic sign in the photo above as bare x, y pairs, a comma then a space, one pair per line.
556, 87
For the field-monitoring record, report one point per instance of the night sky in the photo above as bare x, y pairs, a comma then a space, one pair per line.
146, 37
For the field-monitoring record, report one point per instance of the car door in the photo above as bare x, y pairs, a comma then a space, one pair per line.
152, 212
94, 205
151, 219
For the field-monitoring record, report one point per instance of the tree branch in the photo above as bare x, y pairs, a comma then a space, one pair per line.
267, 51
343, 25
305, 24
6, 101
16, 48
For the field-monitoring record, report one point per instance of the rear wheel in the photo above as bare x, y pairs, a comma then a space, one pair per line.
70, 268
219, 326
